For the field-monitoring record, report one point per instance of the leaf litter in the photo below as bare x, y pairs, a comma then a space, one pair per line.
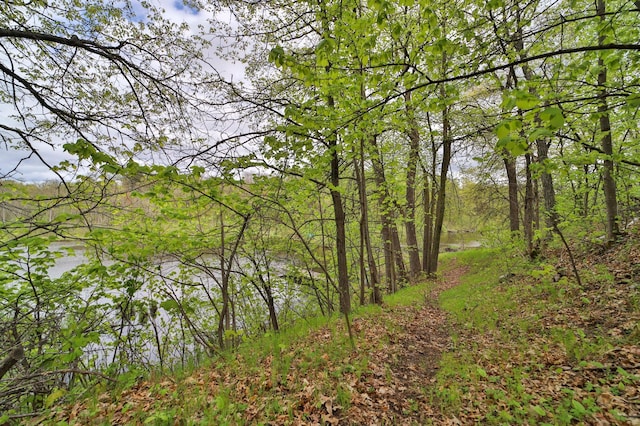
392, 377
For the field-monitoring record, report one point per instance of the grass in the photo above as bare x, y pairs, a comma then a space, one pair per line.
476, 303
526, 348
534, 349
311, 361
408, 296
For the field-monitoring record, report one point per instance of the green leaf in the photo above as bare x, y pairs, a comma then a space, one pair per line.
276, 56
482, 372
540, 133
553, 117
578, 407
633, 100
323, 51
507, 127
53, 397
526, 100
110, 168
516, 146
170, 305
325, 45
503, 130
538, 410
322, 60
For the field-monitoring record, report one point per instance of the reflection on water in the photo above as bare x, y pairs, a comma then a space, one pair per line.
163, 310
170, 301
459, 240
68, 261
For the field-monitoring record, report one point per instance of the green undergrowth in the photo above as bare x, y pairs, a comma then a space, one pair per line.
527, 347
531, 346
474, 303
262, 380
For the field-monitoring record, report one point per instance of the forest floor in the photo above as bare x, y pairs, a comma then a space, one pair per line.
494, 340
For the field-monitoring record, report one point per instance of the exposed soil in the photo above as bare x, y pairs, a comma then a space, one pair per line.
401, 347
388, 379
405, 367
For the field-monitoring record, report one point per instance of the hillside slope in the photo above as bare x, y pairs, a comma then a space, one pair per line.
530, 347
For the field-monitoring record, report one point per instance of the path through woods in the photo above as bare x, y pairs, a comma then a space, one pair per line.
404, 368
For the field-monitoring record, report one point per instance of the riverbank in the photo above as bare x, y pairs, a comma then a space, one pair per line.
468, 348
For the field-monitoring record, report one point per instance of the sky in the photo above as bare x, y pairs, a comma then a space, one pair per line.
32, 169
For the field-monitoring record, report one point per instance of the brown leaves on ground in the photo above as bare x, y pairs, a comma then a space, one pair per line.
385, 380
564, 355
403, 368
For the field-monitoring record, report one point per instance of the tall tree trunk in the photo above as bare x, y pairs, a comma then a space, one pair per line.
528, 208
430, 202
344, 290
226, 265
447, 142
273, 315
442, 188
609, 183
427, 231
512, 182
585, 198
548, 191
329, 284
365, 234
397, 251
394, 263
410, 195
389, 263
224, 287
341, 239
339, 219
361, 265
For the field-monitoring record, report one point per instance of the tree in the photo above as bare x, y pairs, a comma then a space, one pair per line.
95, 80
105, 85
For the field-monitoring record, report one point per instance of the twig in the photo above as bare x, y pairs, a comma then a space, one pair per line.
21, 416
605, 367
67, 371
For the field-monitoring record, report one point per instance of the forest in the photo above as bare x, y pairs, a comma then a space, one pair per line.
181, 180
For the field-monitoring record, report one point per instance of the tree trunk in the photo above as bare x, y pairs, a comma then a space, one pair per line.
224, 287
339, 219
427, 231
410, 195
442, 188
365, 235
273, 315
512, 179
609, 183
394, 263
15, 355
528, 208
226, 265
548, 191
341, 239
389, 264
397, 251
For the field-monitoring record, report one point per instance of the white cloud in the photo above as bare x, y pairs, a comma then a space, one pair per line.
30, 168
24, 166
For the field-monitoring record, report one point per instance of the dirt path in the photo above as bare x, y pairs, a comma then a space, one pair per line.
383, 382
405, 365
